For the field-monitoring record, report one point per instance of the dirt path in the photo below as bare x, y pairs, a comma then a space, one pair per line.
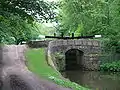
16, 76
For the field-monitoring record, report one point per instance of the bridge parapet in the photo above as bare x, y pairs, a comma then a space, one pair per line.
82, 42
38, 44
90, 48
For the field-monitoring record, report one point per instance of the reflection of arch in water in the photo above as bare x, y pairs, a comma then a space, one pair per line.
73, 59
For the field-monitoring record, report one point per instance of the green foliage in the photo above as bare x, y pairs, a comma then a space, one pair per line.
92, 17
113, 66
18, 17
44, 29
28, 9
75, 12
9, 40
16, 27
79, 30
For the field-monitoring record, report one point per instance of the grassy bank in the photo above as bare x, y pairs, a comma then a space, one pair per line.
38, 65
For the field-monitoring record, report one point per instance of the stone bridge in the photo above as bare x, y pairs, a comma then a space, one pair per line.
71, 54
74, 54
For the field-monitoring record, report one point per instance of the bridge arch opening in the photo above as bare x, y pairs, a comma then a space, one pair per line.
73, 59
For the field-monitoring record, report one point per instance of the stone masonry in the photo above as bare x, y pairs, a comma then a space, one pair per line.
91, 49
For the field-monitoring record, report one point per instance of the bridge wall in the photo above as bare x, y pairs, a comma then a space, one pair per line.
91, 49
38, 44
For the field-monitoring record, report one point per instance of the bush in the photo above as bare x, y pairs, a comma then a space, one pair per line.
113, 66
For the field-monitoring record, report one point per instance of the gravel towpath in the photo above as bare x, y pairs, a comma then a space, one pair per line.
16, 76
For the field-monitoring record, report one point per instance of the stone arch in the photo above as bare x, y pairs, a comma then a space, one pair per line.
72, 47
74, 59
58, 48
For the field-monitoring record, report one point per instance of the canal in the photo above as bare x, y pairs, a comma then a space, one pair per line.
94, 80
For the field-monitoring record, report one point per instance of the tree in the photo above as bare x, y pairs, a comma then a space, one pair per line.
28, 9
90, 17
16, 27
17, 18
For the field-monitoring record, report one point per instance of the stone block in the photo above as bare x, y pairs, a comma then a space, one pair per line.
70, 42
84, 42
95, 43
89, 43
64, 42
77, 42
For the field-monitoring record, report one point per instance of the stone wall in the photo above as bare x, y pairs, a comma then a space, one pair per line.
91, 49
38, 44
0, 68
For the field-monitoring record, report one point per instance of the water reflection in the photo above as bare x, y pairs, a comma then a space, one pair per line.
95, 80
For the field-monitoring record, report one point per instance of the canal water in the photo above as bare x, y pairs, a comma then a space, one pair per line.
94, 80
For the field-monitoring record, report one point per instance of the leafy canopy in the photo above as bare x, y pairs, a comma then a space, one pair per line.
91, 17
28, 9
18, 17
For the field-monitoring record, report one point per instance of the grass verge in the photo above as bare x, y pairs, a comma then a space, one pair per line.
38, 65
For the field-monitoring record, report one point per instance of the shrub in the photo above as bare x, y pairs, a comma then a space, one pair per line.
113, 66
